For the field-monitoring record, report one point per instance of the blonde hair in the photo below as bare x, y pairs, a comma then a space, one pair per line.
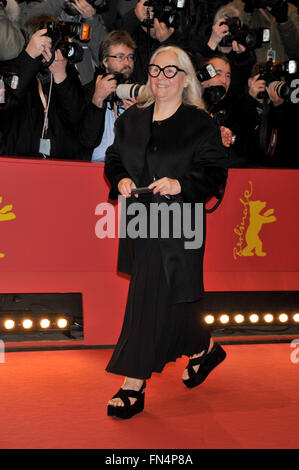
228, 11
192, 93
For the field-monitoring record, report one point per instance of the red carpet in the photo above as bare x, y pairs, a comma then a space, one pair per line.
57, 400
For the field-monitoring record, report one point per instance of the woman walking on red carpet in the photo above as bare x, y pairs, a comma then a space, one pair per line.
168, 144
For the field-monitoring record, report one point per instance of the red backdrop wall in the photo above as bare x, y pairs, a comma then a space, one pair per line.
48, 239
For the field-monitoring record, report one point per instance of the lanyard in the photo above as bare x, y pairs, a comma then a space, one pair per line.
116, 109
45, 103
42, 96
266, 15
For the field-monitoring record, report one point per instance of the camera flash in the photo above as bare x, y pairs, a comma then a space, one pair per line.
266, 35
292, 66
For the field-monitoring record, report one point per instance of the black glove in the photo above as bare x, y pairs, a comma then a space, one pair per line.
280, 12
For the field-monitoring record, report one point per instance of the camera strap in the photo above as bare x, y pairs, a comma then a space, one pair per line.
263, 130
266, 15
268, 135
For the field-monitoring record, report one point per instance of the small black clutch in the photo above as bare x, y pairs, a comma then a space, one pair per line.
143, 190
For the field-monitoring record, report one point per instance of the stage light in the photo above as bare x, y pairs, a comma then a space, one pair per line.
224, 318
254, 318
283, 317
27, 324
239, 318
296, 317
9, 324
45, 323
62, 323
268, 318
209, 319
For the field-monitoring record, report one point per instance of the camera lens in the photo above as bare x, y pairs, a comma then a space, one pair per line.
127, 91
282, 90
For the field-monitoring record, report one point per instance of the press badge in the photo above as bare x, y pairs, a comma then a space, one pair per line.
45, 146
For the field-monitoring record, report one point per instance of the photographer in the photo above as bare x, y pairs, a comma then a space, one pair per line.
115, 10
97, 125
44, 123
220, 106
149, 33
11, 38
240, 57
74, 11
283, 20
268, 124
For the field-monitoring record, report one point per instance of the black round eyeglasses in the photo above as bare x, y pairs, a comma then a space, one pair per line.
169, 71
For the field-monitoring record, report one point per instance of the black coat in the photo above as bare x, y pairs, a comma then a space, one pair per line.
23, 123
190, 150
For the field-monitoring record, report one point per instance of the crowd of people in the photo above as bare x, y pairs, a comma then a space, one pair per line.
62, 92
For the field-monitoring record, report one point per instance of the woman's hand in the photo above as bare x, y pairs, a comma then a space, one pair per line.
238, 48
103, 88
166, 186
84, 8
39, 44
161, 31
125, 187
219, 30
128, 103
226, 136
256, 86
141, 11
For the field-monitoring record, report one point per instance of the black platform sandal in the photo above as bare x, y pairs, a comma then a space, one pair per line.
207, 362
128, 410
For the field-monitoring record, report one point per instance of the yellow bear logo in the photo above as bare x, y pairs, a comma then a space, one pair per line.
248, 231
256, 221
6, 214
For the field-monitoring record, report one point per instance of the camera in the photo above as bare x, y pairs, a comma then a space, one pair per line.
99, 5
119, 77
213, 94
62, 34
279, 75
206, 72
8, 83
249, 38
124, 90
166, 11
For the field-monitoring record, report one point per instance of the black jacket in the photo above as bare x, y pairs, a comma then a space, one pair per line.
24, 122
267, 135
189, 149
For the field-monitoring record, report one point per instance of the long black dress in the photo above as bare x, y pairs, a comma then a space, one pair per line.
155, 329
